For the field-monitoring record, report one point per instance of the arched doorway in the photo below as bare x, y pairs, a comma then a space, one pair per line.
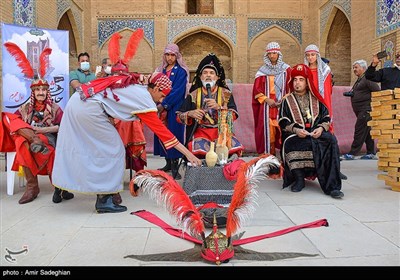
338, 48
65, 24
196, 46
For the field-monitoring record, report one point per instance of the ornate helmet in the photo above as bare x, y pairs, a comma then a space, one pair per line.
120, 65
26, 67
216, 247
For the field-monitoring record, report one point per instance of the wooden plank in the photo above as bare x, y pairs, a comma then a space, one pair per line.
395, 186
381, 146
377, 94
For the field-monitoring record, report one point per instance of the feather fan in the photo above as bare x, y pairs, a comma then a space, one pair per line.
21, 59
133, 45
44, 62
167, 192
245, 194
114, 48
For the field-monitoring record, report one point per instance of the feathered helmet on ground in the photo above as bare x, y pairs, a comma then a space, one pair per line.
120, 65
216, 247
210, 61
26, 67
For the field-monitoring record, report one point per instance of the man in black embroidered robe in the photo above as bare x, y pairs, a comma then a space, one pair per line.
309, 149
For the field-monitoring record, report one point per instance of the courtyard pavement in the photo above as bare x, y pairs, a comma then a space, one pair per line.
363, 226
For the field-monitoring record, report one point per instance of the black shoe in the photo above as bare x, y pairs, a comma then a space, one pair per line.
60, 194
337, 194
299, 183
167, 166
297, 187
67, 195
57, 195
342, 176
176, 176
175, 169
104, 204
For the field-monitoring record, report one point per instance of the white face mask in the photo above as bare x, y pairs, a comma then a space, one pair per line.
212, 83
107, 70
85, 66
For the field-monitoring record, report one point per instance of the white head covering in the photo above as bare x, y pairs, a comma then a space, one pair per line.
269, 69
278, 70
323, 69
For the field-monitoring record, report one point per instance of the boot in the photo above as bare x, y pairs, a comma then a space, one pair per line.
36, 144
175, 169
117, 199
299, 183
104, 204
32, 187
59, 194
342, 176
167, 166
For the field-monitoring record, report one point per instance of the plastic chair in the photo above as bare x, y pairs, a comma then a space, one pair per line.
10, 156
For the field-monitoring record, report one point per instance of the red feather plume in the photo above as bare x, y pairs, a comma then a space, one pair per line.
244, 194
114, 48
21, 59
44, 62
133, 45
166, 191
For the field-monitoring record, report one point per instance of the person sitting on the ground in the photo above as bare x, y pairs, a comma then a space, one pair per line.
36, 123
201, 111
309, 148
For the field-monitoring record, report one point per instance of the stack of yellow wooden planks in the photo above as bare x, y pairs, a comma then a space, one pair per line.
385, 126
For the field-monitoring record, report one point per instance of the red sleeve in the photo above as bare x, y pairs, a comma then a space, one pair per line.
154, 123
328, 93
259, 87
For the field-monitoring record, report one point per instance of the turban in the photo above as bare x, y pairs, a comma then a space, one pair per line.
162, 81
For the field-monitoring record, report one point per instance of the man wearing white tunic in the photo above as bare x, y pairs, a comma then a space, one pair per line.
90, 155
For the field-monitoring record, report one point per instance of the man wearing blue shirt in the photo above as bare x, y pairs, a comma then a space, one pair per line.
82, 74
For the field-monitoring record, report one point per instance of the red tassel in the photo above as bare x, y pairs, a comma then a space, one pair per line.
21, 59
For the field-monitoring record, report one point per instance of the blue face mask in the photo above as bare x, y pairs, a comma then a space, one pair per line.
85, 66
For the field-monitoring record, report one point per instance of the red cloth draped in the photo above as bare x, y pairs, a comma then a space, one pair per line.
38, 163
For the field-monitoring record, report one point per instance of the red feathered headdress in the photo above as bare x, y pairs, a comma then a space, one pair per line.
114, 51
26, 67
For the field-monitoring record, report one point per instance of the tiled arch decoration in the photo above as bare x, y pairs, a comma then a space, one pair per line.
387, 16
327, 8
225, 25
257, 26
107, 27
25, 12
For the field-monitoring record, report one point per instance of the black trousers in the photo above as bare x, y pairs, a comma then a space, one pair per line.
362, 134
